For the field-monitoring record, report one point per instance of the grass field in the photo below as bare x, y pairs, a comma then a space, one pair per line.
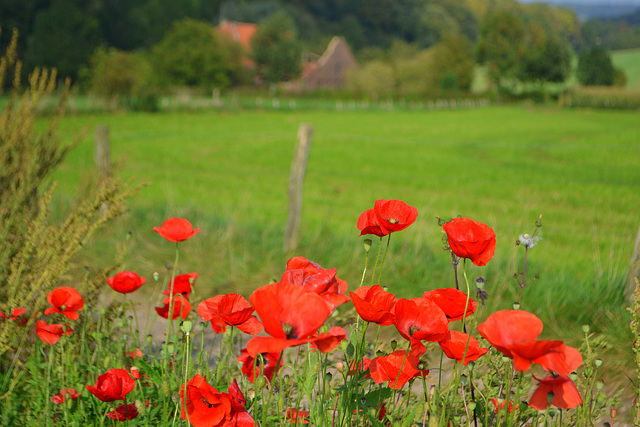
504, 166
628, 60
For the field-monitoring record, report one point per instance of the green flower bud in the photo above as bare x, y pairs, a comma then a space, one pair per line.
598, 362
367, 245
585, 329
186, 327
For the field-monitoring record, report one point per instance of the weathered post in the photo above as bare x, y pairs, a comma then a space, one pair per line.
296, 180
101, 150
634, 268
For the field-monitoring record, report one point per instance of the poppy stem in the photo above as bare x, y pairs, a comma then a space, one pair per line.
375, 266
366, 266
454, 262
524, 268
383, 259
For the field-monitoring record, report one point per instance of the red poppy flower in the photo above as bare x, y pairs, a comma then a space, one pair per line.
297, 416
499, 404
64, 395
114, 384
124, 412
176, 230
455, 345
181, 307
420, 319
471, 239
207, 407
562, 360
360, 367
313, 278
264, 364
126, 282
368, 224
229, 310
452, 301
51, 333
327, 341
135, 354
514, 333
394, 215
374, 304
565, 393
387, 368
66, 301
15, 313
182, 285
290, 314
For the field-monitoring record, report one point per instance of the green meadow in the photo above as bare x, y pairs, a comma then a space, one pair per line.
228, 173
628, 60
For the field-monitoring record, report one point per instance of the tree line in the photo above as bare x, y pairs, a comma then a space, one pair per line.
404, 46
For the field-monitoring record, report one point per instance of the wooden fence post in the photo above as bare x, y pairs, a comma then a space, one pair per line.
634, 268
296, 180
101, 150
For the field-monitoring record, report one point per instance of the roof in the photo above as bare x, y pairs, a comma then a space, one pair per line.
241, 32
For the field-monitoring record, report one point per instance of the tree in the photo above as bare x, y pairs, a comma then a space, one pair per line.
547, 61
595, 68
190, 54
500, 45
276, 49
64, 38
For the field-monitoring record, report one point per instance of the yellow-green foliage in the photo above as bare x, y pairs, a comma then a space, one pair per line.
602, 97
35, 255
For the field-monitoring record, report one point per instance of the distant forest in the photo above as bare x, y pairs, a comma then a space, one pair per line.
65, 33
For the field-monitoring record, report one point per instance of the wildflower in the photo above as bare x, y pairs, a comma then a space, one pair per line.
51, 333
313, 278
394, 215
500, 403
181, 307
229, 310
66, 301
204, 406
528, 240
564, 391
297, 416
457, 345
126, 282
182, 284
114, 384
290, 315
124, 412
64, 395
374, 304
397, 368
368, 224
264, 364
16, 314
420, 319
452, 302
514, 333
471, 239
176, 230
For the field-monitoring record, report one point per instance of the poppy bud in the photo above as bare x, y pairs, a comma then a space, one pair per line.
367, 245
585, 329
156, 276
340, 367
350, 350
539, 221
613, 413
599, 385
598, 362
480, 282
472, 405
260, 382
328, 377
251, 394
573, 376
463, 379
394, 345
166, 387
128, 236
516, 306
186, 327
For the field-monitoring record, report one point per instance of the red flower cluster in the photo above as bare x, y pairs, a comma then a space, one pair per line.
514, 333
262, 364
471, 239
64, 395
181, 285
181, 307
176, 230
296, 416
386, 217
16, 314
114, 384
207, 407
124, 412
229, 310
126, 282
397, 368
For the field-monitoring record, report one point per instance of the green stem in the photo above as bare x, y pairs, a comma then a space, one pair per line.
375, 266
383, 259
